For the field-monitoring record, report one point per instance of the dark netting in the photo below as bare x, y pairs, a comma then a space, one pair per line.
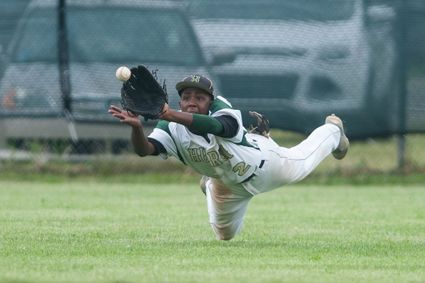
294, 61
415, 49
29, 74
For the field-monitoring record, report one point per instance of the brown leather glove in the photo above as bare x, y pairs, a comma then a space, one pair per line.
263, 125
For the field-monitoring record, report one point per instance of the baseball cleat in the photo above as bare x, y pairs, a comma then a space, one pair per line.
344, 143
203, 184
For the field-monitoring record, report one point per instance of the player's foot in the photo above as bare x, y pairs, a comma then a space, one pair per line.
203, 184
344, 143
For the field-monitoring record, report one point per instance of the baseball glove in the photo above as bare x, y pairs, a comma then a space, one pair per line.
263, 125
142, 95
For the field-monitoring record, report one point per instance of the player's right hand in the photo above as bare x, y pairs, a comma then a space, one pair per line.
124, 116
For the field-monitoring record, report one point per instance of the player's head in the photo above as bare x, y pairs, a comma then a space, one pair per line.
195, 100
196, 94
196, 81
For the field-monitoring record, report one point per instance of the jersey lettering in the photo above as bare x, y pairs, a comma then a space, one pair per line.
224, 153
241, 168
198, 154
214, 158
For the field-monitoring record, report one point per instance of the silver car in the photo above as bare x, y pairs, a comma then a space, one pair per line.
101, 35
300, 57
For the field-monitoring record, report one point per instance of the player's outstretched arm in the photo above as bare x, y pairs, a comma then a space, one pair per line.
197, 123
138, 138
172, 115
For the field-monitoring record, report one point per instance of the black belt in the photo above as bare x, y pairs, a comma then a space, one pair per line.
253, 174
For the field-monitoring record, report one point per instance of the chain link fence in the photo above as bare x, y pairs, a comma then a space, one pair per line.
294, 61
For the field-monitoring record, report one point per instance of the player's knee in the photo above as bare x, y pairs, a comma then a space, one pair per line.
225, 236
224, 233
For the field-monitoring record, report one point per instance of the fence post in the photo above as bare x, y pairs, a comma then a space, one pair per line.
402, 47
64, 75
3, 139
63, 57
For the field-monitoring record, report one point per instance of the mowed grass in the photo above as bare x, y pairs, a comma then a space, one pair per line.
110, 232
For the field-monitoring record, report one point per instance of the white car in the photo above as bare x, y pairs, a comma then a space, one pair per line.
299, 57
101, 36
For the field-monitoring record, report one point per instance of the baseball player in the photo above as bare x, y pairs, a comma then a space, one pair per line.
208, 135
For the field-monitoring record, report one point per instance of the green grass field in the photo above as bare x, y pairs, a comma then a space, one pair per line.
110, 232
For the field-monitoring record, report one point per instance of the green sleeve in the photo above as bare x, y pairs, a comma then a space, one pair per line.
204, 124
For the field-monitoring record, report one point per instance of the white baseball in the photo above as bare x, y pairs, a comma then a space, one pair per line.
123, 73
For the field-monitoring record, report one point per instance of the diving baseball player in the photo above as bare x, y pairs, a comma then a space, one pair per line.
208, 135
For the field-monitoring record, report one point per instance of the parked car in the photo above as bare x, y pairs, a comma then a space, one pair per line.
101, 36
298, 60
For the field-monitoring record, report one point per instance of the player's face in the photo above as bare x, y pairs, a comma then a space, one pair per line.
195, 100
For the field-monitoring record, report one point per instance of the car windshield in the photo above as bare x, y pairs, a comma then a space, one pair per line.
37, 41
111, 35
299, 10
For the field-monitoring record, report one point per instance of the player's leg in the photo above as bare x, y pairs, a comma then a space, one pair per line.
289, 165
203, 184
226, 208
299, 161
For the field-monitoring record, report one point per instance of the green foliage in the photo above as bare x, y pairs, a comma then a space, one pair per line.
103, 232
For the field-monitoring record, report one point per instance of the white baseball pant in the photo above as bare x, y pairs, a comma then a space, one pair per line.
227, 204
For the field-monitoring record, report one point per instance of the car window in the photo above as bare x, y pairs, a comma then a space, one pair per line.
37, 38
110, 35
131, 35
305, 10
